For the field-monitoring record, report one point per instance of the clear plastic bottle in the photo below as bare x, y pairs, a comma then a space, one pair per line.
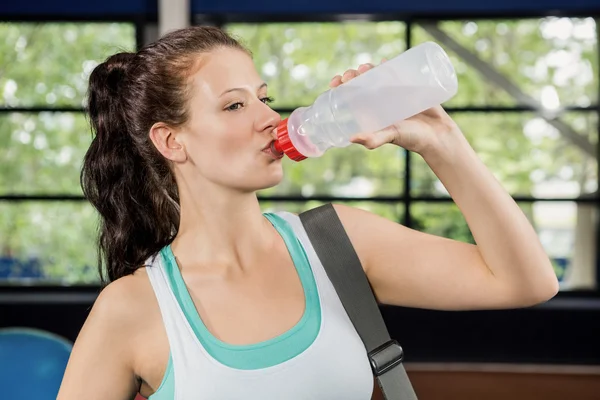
419, 78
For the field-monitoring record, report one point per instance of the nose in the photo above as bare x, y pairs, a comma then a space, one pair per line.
268, 120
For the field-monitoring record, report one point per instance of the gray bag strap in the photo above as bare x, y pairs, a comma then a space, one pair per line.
343, 267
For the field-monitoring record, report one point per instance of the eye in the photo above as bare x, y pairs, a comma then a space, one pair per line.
235, 106
267, 100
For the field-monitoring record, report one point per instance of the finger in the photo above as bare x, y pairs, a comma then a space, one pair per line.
376, 139
335, 81
349, 74
364, 67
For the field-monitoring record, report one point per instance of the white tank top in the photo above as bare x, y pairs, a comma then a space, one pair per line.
333, 366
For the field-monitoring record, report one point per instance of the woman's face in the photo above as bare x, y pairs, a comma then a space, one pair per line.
230, 125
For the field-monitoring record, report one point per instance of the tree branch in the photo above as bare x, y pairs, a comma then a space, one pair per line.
492, 75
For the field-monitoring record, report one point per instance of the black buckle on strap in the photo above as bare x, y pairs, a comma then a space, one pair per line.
386, 357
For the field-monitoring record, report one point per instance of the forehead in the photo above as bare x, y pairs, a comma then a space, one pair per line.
224, 69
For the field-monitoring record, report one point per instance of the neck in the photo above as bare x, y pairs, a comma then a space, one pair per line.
220, 229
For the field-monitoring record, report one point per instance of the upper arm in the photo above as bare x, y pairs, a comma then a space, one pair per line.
100, 363
410, 268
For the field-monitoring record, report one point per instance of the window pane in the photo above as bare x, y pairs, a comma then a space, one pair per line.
299, 59
42, 153
48, 242
348, 172
554, 60
565, 229
529, 156
49, 63
352, 171
55, 242
391, 211
441, 219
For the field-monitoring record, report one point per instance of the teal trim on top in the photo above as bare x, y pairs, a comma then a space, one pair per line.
258, 355
267, 353
166, 390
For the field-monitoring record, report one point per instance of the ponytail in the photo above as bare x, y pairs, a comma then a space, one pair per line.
138, 216
124, 176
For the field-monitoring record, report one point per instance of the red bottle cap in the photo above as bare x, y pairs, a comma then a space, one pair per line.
283, 144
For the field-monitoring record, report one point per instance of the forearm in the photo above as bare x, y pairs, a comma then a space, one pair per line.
506, 240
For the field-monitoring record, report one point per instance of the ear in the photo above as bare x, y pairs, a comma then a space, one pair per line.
165, 141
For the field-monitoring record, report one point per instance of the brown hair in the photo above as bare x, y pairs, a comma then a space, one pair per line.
123, 175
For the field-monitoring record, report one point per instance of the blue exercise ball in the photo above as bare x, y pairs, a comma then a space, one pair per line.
32, 363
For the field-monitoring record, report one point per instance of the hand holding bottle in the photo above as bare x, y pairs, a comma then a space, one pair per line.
370, 103
428, 131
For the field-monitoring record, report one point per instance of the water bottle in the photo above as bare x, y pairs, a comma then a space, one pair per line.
419, 78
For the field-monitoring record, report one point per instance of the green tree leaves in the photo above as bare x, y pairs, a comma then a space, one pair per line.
554, 60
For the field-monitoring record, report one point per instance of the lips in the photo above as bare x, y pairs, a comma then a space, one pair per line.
270, 149
268, 146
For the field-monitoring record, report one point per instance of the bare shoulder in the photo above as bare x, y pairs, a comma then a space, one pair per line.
103, 360
125, 299
119, 311
352, 217
368, 230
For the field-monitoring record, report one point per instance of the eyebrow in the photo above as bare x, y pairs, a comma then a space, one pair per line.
263, 85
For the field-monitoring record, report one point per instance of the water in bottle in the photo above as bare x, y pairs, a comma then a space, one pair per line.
417, 79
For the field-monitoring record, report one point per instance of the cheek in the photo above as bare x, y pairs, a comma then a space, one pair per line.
221, 146
231, 144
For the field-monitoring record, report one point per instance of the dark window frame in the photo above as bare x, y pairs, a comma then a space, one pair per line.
141, 22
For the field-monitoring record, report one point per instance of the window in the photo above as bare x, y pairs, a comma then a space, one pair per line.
298, 60
527, 102
47, 233
527, 99
549, 65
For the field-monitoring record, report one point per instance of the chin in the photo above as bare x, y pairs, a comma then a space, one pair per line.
257, 183
272, 182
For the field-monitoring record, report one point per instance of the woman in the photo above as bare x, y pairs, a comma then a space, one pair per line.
209, 298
